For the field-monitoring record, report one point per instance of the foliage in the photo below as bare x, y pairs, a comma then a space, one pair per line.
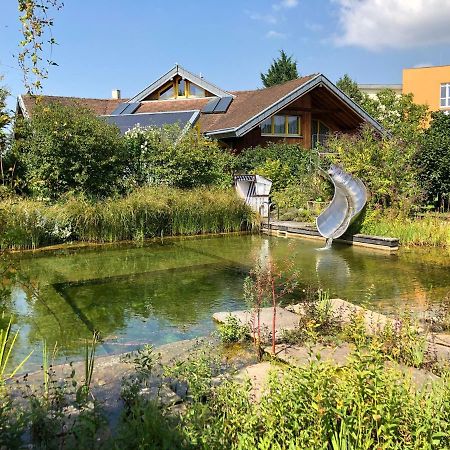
398, 114
350, 87
429, 230
5, 120
145, 213
282, 69
361, 405
282, 163
385, 165
175, 157
232, 330
434, 159
67, 149
36, 31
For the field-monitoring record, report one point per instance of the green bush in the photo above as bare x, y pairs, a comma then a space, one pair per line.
175, 157
434, 160
385, 165
282, 163
232, 331
67, 149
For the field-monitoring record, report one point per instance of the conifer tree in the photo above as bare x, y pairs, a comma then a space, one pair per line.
281, 70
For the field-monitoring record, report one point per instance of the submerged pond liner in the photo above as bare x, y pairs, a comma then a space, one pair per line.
168, 290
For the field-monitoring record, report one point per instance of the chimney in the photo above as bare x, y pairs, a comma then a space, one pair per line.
115, 94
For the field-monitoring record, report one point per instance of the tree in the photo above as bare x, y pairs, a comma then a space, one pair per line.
5, 120
434, 159
350, 87
282, 69
37, 36
398, 114
67, 149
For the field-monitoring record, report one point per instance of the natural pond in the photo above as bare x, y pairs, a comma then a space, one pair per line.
164, 291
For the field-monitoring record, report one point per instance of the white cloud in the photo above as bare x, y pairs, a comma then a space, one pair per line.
378, 24
285, 4
272, 34
269, 18
418, 66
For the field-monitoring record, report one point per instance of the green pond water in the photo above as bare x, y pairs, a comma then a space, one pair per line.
165, 291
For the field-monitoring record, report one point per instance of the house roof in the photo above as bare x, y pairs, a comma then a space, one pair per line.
247, 104
185, 74
246, 110
99, 106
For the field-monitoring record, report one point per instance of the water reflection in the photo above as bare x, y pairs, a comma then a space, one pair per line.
166, 291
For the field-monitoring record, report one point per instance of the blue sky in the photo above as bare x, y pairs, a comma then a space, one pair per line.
108, 44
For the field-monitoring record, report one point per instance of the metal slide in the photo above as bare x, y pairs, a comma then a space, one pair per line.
350, 196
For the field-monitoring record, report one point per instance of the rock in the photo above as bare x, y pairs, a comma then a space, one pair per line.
258, 375
301, 356
285, 320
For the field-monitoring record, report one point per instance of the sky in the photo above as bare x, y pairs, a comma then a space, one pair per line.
116, 44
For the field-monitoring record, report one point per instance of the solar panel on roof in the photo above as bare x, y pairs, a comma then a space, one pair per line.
223, 105
120, 109
129, 121
209, 107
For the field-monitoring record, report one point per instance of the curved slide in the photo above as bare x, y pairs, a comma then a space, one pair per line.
350, 196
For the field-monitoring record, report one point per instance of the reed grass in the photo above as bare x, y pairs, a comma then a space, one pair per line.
426, 231
145, 213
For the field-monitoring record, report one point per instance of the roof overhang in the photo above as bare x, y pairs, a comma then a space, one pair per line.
21, 106
185, 74
318, 81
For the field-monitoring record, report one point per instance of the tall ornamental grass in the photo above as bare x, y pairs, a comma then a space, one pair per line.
145, 213
426, 231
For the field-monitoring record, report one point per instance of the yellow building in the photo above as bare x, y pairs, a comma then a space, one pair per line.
430, 86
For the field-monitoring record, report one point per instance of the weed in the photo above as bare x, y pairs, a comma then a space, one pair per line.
233, 331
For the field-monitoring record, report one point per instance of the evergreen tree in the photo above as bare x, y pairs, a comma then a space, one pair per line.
282, 69
350, 87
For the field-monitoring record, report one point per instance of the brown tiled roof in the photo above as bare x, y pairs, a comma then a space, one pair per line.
100, 106
247, 104
172, 105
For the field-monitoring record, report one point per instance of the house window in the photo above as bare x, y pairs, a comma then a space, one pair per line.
319, 132
167, 92
182, 88
445, 95
281, 126
196, 91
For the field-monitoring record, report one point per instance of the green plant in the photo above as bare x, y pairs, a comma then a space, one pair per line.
7, 341
232, 330
144, 213
175, 157
282, 69
67, 149
434, 160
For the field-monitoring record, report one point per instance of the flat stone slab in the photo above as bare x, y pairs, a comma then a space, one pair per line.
302, 356
258, 375
285, 320
343, 311
338, 355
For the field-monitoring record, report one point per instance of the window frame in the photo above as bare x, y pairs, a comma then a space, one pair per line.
446, 97
286, 126
175, 84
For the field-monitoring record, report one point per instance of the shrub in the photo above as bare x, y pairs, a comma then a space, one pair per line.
232, 331
385, 165
434, 159
68, 149
282, 163
175, 157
